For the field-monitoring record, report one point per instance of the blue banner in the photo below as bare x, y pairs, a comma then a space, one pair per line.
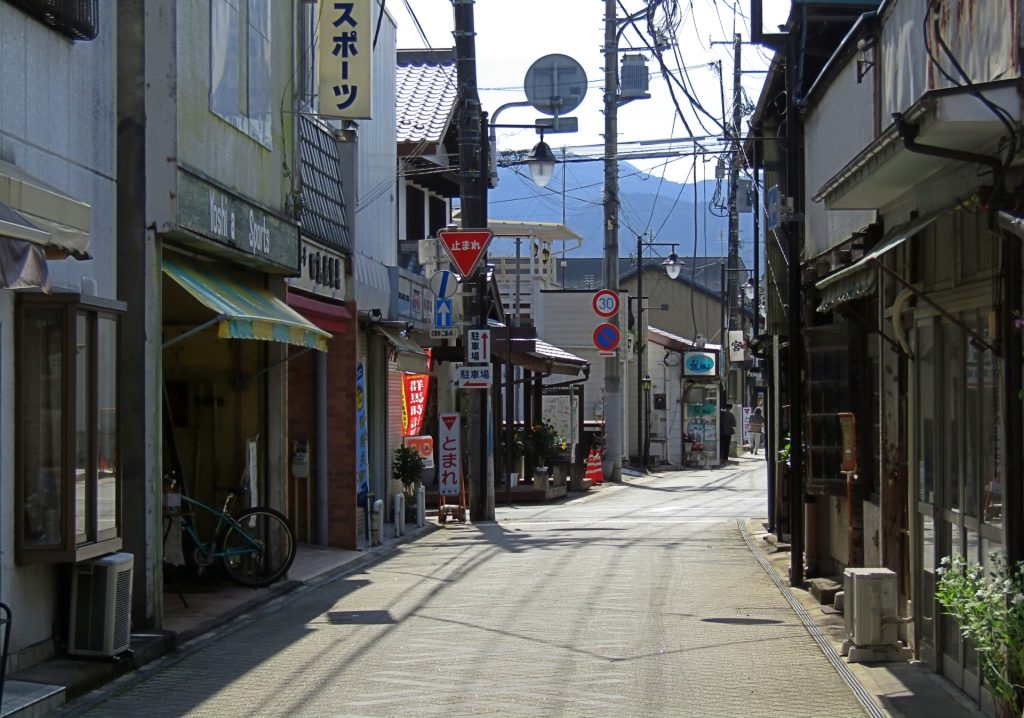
362, 438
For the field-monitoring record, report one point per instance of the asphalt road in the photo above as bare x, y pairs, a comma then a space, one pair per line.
639, 599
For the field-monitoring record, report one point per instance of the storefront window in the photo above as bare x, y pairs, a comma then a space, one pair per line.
925, 352
952, 381
42, 434
68, 487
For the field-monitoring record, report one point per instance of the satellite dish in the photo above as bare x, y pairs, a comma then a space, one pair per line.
555, 84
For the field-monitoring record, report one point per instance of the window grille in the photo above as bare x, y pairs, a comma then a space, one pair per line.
78, 19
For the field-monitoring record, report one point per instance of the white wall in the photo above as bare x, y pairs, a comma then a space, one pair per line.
57, 122
978, 34
377, 151
840, 125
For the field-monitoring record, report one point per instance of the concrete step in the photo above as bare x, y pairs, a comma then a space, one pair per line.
824, 589
23, 699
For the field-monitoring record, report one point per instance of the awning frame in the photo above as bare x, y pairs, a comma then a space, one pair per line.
242, 309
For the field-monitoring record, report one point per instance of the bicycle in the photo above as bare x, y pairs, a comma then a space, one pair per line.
256, 547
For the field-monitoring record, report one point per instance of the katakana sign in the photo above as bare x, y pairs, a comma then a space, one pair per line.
465, 247
449, 455
344, 49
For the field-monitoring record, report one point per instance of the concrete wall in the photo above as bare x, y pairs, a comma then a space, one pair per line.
210, 143
57, 122
691, 312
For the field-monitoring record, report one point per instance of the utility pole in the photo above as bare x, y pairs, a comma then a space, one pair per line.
612, 367
473, 200
735, 310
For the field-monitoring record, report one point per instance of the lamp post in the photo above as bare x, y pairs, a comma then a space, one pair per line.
673, 265
541, 162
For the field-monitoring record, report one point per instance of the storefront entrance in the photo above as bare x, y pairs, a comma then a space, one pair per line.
958, 507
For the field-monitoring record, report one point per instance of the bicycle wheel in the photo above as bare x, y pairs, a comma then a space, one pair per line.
259, 549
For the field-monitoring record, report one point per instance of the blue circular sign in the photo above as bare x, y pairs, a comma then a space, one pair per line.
606, 337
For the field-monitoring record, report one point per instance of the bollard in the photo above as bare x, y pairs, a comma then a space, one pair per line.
421, 506
376, 522
399, 514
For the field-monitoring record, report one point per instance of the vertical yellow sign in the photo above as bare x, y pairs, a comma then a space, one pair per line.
344, 52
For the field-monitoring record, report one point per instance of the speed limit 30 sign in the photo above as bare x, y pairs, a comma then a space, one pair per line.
606, 303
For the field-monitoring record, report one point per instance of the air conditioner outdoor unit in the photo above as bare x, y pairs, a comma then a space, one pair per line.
101, 600
871, 616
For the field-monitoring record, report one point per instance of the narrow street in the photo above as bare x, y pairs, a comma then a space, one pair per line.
640, 599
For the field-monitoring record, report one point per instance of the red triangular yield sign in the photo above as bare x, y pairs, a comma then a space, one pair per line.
465, 247
449, 419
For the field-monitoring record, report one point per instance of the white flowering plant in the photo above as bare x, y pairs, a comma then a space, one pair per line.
989, 605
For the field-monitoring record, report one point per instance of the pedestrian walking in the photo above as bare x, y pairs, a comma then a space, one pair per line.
754, 429
726, 428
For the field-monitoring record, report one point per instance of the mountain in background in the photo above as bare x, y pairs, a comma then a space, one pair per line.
664, 207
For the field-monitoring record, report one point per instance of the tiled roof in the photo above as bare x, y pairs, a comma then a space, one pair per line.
425, 94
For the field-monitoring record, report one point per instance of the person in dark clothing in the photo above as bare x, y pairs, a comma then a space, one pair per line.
726, 428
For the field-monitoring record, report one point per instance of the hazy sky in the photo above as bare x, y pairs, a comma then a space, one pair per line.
512, 34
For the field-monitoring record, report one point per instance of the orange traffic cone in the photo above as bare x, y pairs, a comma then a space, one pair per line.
594, 472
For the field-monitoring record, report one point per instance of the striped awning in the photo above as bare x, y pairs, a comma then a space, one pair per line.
244, 310
60, 222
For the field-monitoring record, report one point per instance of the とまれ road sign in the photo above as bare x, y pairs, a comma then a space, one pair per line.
465, 247
606, 337
449, 455
606, 303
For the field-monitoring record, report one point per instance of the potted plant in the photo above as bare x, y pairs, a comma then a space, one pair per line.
988, 604
541, 442
407, 467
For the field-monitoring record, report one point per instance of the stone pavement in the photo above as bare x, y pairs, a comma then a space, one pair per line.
641, 599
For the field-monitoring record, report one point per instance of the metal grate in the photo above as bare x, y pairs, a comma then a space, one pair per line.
78, 19
323, 213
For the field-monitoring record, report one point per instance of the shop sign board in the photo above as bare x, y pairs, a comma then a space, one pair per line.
449, 455
700, 364
223, 219
345, 42
424, 445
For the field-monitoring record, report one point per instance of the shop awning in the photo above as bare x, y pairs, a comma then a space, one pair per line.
244, 311
61, 222
857, 280
409, 355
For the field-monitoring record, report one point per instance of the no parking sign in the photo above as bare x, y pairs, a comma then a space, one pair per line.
607, 337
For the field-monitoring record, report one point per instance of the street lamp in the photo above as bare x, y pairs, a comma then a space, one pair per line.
673, 265
542, 163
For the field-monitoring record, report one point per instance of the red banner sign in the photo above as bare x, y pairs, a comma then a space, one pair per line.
415, 388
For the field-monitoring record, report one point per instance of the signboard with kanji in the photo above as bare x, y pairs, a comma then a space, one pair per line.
474, 376
465, 247
449, 455
415, 388
478, 346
